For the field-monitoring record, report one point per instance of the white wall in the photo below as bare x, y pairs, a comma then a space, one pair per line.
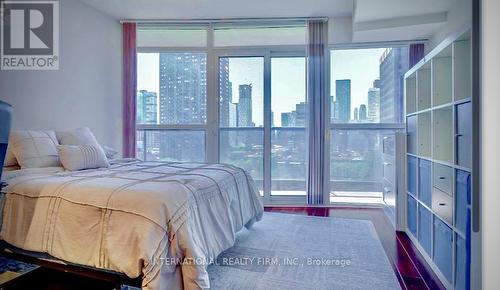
490, 155
340, 30
85, 91
459, 16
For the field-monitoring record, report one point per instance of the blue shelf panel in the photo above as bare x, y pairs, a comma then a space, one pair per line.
412, 175
462, 264
443, 248
424, 228
462, 200
412, 215
425, 182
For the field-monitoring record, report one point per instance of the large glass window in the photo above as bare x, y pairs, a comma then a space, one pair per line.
366, 87
249, 108
171, 96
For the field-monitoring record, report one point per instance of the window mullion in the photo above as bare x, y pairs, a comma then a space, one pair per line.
212, 133
267, 125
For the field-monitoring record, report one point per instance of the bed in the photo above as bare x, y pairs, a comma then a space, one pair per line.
163, 222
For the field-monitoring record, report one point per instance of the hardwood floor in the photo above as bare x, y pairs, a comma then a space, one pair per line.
409, 266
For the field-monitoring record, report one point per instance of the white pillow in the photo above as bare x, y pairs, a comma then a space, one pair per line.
34, 149
80, 136
83, 136
79, 157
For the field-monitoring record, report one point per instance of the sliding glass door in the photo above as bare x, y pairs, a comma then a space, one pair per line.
366, 113
262, 115
241, 114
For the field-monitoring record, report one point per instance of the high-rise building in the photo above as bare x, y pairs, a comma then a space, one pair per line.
332, 108
183, 100
343, 99
335, 111
374, 103
393, 66
300, 114
287, 119
362, 113
233, 122
183, 88
226, 93
356, 118
244, 108
147, 107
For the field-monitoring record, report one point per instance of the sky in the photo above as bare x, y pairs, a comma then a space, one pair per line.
288, 78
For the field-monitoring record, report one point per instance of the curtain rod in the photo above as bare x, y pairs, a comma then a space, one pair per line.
225, 20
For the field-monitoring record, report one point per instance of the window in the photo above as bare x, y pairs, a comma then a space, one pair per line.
241, 114
171, 106
367, 85
288, 134
366, 109
237, 95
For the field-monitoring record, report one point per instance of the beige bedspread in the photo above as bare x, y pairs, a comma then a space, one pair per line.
135, 218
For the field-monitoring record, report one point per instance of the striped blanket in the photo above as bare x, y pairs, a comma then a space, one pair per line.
164, 221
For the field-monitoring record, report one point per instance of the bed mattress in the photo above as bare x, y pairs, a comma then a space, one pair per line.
164, 221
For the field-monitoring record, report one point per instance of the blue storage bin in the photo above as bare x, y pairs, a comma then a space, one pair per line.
424, 228
412, 175
412, 215
462, 264
462, 200
464, 134
443, 248
425, 182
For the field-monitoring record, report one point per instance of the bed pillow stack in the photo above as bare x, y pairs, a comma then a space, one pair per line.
80, 150
74, 150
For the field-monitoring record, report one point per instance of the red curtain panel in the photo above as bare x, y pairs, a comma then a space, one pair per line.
129, 88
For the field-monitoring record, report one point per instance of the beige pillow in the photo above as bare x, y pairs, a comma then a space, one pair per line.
80, 136
34, 149
79, 157
83, 136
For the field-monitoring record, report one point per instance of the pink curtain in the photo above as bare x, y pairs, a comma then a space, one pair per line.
129, 88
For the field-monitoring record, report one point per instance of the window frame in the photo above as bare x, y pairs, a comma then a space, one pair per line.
395, 126
212, 125
267, 52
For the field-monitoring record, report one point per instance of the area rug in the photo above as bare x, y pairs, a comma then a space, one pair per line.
285, 251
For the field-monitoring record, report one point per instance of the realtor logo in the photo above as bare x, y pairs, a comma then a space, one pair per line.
29, 35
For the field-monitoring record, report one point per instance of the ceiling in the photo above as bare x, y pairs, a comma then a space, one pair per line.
372, 20
218, 9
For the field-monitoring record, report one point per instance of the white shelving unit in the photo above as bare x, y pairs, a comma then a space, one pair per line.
442, 126
424, 87
438, 116
442, 77
424, 134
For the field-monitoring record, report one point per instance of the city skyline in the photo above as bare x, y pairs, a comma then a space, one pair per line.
234, 72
